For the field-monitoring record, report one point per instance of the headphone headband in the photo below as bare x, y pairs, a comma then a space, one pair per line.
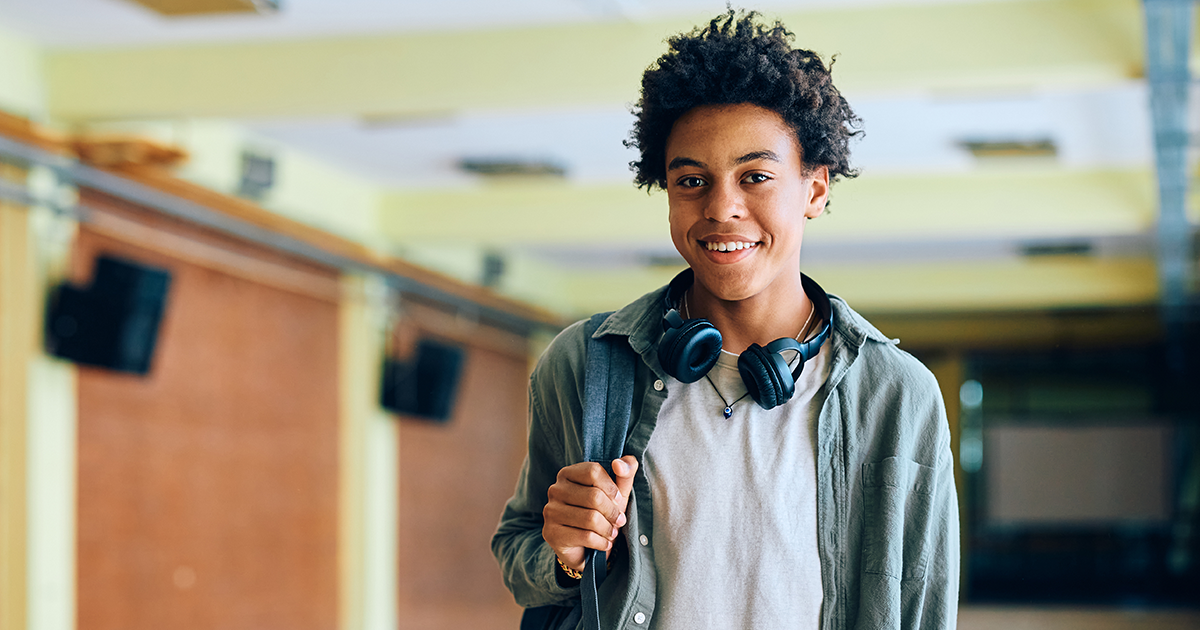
820, 301
689, 348
684, 280
679, 285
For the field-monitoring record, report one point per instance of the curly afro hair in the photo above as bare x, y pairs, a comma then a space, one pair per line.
735, 60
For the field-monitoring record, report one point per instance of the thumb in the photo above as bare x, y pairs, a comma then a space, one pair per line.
624, 470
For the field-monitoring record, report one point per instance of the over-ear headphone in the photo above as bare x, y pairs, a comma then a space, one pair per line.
689, 348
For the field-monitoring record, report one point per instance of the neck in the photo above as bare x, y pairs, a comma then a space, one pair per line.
779, 311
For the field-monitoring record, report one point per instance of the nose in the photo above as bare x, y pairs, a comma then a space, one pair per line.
725, 202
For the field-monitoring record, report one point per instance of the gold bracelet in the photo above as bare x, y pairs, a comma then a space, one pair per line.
571, 573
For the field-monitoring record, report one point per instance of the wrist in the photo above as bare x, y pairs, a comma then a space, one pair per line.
571, 573
565, 575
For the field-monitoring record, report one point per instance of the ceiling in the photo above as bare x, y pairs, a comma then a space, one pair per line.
1091, 127
86, 24
399, 93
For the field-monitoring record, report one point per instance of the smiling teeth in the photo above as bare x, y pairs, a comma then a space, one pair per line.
728, 247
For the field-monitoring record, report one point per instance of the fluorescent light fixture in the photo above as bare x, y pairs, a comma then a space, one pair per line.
177, 8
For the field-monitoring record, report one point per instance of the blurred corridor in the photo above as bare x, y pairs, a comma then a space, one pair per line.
273, 277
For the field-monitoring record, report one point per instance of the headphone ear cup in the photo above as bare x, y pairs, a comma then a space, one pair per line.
689, 352
766, 376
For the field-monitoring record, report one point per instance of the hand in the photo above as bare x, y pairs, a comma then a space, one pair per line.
586, 508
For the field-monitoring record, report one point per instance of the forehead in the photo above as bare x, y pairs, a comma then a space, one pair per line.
729, 131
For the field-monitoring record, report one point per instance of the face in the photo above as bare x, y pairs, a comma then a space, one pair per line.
739, 196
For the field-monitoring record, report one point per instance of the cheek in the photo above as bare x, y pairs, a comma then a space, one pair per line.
676, 229
787, 223
787, 231
678, 223
792, 232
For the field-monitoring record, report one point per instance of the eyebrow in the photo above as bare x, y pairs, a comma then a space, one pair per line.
758, 155
681, 162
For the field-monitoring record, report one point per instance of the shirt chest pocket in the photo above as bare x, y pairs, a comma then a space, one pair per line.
897, 498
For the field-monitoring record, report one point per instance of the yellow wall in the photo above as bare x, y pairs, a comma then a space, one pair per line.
22, 84
306, 188
367, 525
997, 285
16, 348
990, 203
37, 429
1017, 203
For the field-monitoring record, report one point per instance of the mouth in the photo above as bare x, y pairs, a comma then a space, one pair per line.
727, 252
728, 246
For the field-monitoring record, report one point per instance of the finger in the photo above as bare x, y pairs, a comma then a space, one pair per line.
624, 469
589, 474
578, 518
586, 497
602, 495
563, 540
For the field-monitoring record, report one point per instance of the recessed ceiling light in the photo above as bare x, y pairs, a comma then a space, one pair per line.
500, 167
1040, 148
1059, 248
177, 8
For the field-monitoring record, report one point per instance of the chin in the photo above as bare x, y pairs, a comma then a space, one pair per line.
736, 295
726, 284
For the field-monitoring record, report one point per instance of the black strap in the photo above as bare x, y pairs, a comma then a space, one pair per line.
607, 402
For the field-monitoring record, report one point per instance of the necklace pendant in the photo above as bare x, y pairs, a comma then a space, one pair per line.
728, 412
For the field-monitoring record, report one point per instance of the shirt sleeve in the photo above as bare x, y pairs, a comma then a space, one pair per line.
941, 584
909, 569
526, 561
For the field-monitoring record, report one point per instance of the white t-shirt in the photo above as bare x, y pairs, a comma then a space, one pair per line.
735, 508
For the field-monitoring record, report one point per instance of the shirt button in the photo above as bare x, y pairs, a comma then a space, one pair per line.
644, 540
658, 387
639, 618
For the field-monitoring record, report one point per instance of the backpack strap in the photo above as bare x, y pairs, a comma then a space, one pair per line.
607, 395
607, 403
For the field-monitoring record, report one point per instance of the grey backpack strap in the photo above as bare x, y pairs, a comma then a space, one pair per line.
607, 394
607, 402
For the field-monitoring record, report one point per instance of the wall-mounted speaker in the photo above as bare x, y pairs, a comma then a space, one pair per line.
425, 386
113, 322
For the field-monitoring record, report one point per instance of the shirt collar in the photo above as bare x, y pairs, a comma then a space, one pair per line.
641, 321
852, 326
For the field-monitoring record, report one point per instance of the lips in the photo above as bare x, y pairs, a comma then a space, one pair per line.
728, 246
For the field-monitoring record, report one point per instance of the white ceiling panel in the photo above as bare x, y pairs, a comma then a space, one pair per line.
425, 153
1092, 128
1097, 128
92, 23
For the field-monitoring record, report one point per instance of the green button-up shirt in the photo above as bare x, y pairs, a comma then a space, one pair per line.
887, 515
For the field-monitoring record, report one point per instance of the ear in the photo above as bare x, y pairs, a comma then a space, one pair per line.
818, 192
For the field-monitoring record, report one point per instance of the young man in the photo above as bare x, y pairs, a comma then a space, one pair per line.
744, 500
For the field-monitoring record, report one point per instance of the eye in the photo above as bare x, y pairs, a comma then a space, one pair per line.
756, 178
689, 181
